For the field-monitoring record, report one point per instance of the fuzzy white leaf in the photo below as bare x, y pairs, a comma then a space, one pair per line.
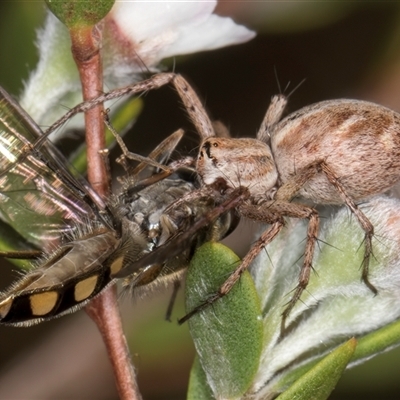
337, 305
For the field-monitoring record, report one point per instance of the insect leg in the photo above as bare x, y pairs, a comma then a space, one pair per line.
167, 146
22, 254
175, 290
173, 167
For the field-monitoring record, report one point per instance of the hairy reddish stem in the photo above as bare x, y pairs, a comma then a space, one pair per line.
104, 312
86, 53
104, 309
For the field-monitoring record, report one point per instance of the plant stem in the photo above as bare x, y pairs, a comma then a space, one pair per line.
104, 309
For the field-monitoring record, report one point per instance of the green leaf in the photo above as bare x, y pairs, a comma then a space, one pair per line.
80, 13
319, 381
377, 341
228, 335
198, 386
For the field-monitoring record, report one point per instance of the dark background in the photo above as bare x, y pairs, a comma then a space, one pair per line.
341, 50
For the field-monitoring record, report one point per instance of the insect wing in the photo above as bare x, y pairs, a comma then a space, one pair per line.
38, 196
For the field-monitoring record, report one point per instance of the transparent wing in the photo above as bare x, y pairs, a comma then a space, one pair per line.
39, 197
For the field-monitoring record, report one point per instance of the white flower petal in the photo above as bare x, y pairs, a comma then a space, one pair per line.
146, 32
212, 34
137, 35
143, 20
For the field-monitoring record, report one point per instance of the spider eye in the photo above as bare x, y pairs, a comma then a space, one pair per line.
215, 144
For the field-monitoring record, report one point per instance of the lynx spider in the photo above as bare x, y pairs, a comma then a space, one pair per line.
319, 152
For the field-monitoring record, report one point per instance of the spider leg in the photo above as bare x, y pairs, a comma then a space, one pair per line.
289, 190
226, 287
364, 222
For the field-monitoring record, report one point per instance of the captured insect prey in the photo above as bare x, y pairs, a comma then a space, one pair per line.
84, 241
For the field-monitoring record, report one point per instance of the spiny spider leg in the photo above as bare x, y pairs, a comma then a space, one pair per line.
365, 223
290, 189
271, 212
187, 94
226, 287
272, 117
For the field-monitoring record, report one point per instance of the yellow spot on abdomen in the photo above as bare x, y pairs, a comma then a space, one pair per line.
5, 306
43, 303
85, 288
116, 265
